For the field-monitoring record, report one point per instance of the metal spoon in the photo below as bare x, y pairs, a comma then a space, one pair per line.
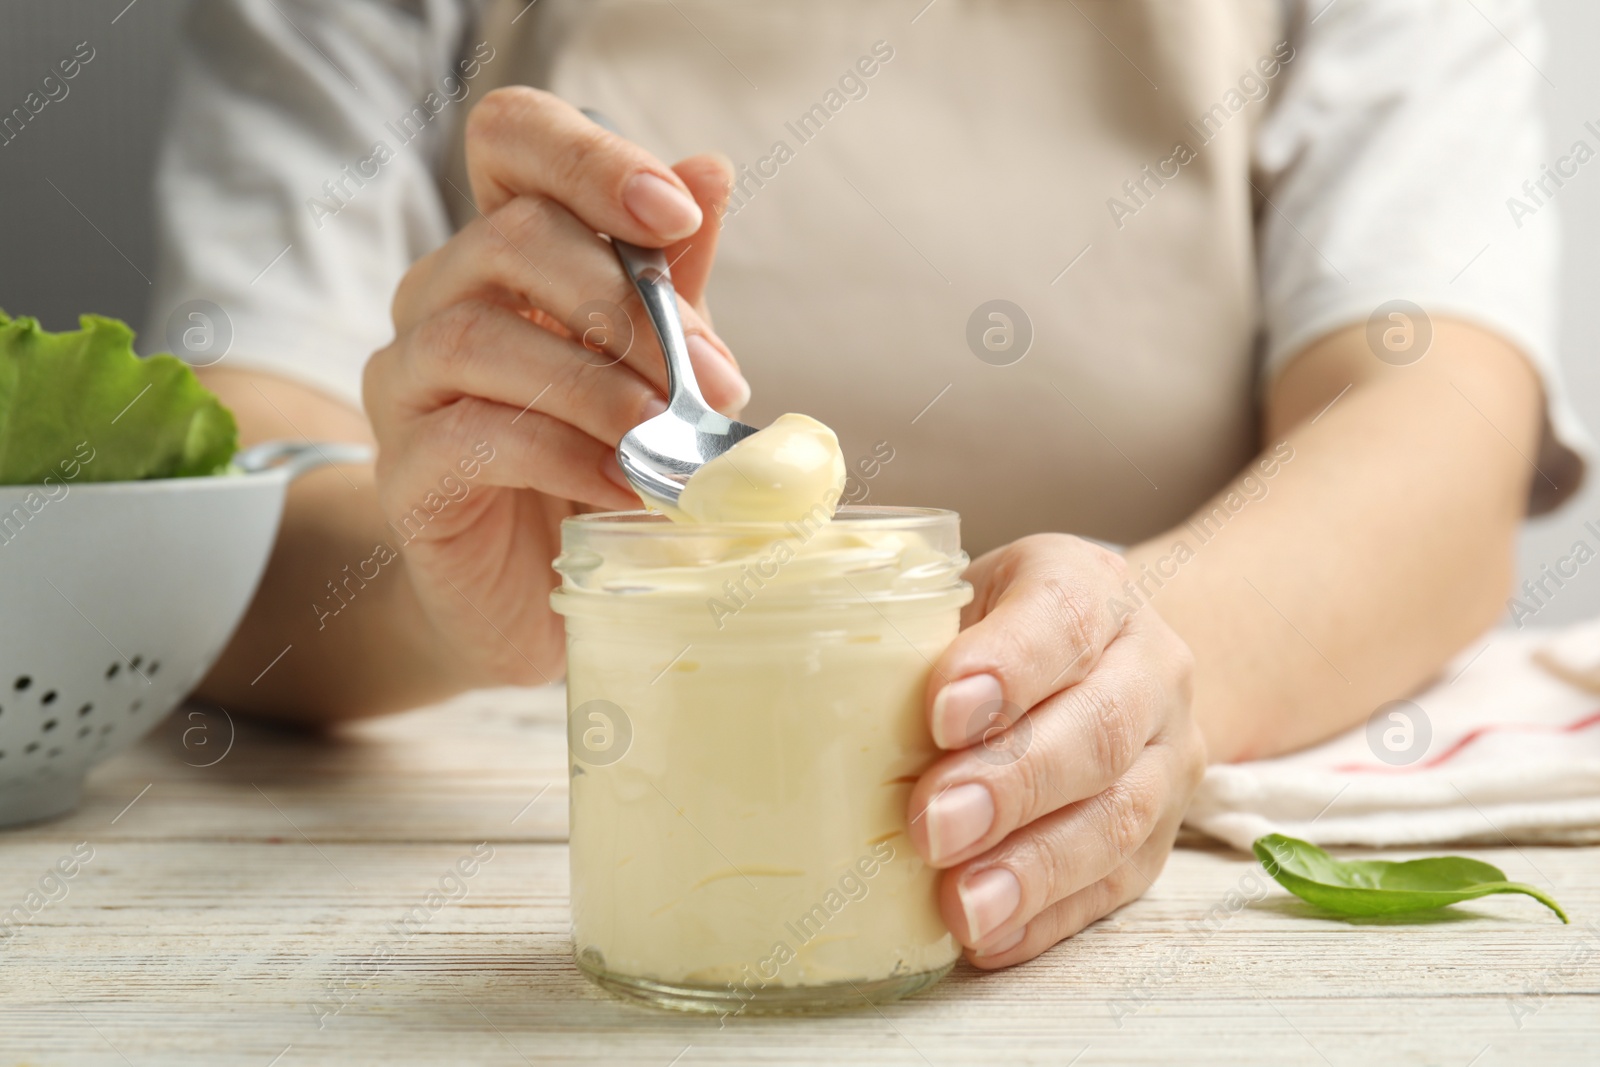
659, 455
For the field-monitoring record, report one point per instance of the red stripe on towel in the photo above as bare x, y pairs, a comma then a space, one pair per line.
1468, 738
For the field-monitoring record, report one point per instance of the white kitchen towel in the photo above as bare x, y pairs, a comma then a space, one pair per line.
1503, 749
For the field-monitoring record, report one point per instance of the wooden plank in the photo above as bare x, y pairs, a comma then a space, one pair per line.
222, 923
463, 770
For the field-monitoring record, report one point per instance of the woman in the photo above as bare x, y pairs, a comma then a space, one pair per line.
1229, 282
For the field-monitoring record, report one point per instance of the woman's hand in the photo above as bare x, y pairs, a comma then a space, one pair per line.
1072, 752
507, 345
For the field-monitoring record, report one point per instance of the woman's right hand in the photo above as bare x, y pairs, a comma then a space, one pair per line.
488, 359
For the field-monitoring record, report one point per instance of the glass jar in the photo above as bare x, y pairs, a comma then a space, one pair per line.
745, 721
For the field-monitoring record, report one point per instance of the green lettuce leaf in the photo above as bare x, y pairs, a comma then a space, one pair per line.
68, 396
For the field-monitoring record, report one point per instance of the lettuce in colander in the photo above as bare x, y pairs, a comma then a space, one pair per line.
64, 396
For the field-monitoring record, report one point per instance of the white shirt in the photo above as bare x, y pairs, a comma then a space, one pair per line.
1385, 156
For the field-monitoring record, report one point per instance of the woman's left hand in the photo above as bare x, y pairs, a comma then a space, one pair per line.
1071, 750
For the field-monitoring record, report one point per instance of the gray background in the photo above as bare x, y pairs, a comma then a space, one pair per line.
97, 146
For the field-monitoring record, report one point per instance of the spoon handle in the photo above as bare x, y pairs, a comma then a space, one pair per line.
651, 276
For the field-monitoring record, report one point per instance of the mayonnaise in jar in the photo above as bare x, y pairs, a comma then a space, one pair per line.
745, 695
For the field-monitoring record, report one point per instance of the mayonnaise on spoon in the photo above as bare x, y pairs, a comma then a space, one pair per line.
779, 474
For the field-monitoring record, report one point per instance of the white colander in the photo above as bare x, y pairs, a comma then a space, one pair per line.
115, 599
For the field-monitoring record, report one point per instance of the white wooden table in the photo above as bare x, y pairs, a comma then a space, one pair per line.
251, 913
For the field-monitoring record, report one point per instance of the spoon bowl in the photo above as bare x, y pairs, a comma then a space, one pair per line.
660, 455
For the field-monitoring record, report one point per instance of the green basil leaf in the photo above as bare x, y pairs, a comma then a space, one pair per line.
81, 405
1383, 887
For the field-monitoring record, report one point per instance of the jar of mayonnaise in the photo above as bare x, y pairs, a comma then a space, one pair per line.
746, 721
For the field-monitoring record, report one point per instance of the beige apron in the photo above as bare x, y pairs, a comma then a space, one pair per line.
1023, 151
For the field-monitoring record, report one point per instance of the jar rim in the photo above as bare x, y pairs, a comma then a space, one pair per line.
641, 523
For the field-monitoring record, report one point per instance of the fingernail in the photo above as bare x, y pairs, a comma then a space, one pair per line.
730, 169
988, 899
613, 470
956, 723
661, 206
1005, 944
710, 360
956, 818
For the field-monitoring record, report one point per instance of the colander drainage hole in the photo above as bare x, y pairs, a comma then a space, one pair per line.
135, 706
31, 747
22, 682
85, 731
135, 661
111, 671
86, 709
49, 724
48, 698
155, 665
